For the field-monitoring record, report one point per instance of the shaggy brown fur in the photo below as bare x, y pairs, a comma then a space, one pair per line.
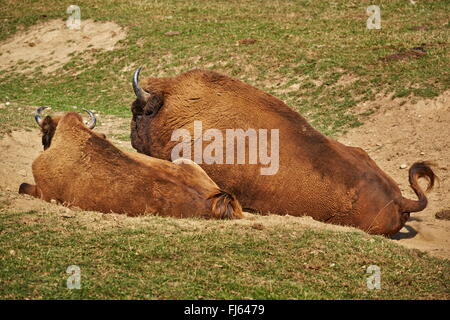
81, 168
318, 176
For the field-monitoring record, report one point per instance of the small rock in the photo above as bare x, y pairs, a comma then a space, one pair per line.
172, 33
247, 41
443, 214
12, 252
332, 265
53, 201
403, 166
422, 153
68, 214
258, 226
7, 103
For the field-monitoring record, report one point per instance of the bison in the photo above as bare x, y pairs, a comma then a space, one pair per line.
317, 176
81, 168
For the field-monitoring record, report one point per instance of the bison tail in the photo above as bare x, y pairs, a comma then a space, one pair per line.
418, 170
225, 205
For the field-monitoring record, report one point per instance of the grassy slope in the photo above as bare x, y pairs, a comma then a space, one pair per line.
308, 44
161, 258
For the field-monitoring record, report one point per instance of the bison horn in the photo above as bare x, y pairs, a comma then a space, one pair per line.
93, 121
141, 94
38, 116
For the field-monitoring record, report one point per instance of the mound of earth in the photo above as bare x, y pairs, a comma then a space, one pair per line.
398, 134
52, 44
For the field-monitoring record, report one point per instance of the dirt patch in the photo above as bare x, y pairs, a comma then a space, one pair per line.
347, 79
52, 44
247, 41
396, 135
19, 149
414, 53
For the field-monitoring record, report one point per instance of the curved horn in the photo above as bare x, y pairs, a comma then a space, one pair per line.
38, 116
141, 94
93, 121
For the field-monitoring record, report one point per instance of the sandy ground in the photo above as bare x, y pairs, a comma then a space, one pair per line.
399, 135
52, 44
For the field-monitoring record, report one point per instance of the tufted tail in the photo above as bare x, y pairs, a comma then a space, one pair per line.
225, 205
418, 170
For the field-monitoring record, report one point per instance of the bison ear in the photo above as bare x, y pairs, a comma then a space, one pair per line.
153, 104
48, 128
46, 124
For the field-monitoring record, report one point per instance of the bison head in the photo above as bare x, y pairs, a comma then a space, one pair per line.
144, 109
163, 105
48, 125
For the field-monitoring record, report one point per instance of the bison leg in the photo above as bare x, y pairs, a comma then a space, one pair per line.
30, 189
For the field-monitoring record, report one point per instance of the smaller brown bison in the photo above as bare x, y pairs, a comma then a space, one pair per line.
81, 168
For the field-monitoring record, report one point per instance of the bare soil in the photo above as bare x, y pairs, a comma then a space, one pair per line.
399, 135
52, 44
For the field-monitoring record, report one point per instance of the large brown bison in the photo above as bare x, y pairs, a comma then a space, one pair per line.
317, 176
81, 168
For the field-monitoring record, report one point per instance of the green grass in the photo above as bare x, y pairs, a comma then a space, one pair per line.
311, 43
122, 137
164, 258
